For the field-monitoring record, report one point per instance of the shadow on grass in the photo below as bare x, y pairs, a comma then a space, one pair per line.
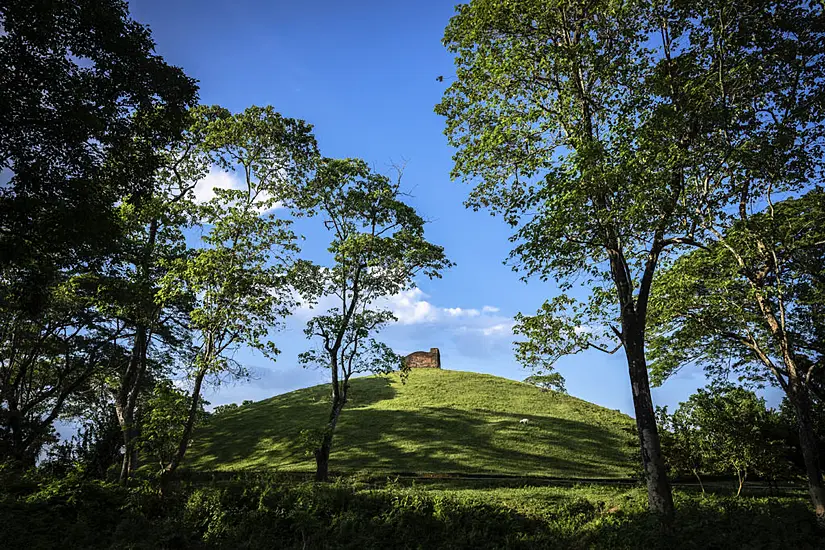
430, 439
269, 431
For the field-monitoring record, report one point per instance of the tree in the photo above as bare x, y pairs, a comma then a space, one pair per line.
723, 429
86, 105
377, 249
157, 329
755, 297
682, 443
239, 279
167, 414
552, 381
612, 135
46, 361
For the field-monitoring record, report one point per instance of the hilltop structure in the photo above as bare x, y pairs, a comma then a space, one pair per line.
424, 359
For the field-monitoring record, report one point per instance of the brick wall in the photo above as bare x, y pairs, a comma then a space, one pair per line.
424, 359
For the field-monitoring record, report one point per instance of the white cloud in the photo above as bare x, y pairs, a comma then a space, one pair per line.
221, 179
499, 329
410, 308
459, 312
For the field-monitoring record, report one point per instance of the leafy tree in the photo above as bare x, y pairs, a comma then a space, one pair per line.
613, 135
682, 443
86, 105
166, 420
552, 381
239, 278
229, 407
131, 294
377, 248
45, 361
724, 429
755, 298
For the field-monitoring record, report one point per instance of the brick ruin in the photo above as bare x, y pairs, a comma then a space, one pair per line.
424, 359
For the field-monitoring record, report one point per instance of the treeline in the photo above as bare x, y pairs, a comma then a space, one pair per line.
119, 274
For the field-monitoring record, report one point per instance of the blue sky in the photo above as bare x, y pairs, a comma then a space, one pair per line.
363, 72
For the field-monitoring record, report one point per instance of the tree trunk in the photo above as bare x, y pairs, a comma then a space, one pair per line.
742, 475
322, 457
699, 479
16, 434
187, 429
659, 496
323, 451
124, 420
126, 401
807, 444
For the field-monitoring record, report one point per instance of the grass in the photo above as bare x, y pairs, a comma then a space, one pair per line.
440, 421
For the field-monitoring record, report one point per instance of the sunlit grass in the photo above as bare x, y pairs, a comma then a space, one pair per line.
438, 422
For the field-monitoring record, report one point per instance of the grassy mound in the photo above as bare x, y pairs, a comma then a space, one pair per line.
438, 422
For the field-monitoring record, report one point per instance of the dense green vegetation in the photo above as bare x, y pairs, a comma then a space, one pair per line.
268, 513
438, 421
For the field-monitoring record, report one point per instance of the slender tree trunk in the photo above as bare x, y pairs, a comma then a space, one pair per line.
322, 458
742, 475
659, 496
183, 445
126, 402
323, 451
699, 479
807, 444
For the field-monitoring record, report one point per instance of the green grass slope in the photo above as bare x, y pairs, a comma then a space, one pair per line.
440, 421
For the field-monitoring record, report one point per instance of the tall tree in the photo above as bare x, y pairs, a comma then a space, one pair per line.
377, 249
154, 241
239, 279
612, 134
85, 108
751, 304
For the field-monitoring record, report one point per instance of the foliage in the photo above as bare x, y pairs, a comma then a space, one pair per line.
87, 104
724, 430
268, 513
165, 422
706, 309
553, 381
230, 407
44, 361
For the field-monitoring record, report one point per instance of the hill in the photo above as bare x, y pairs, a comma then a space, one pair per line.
440, 421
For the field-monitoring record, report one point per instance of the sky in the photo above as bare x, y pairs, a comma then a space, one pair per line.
364, 73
